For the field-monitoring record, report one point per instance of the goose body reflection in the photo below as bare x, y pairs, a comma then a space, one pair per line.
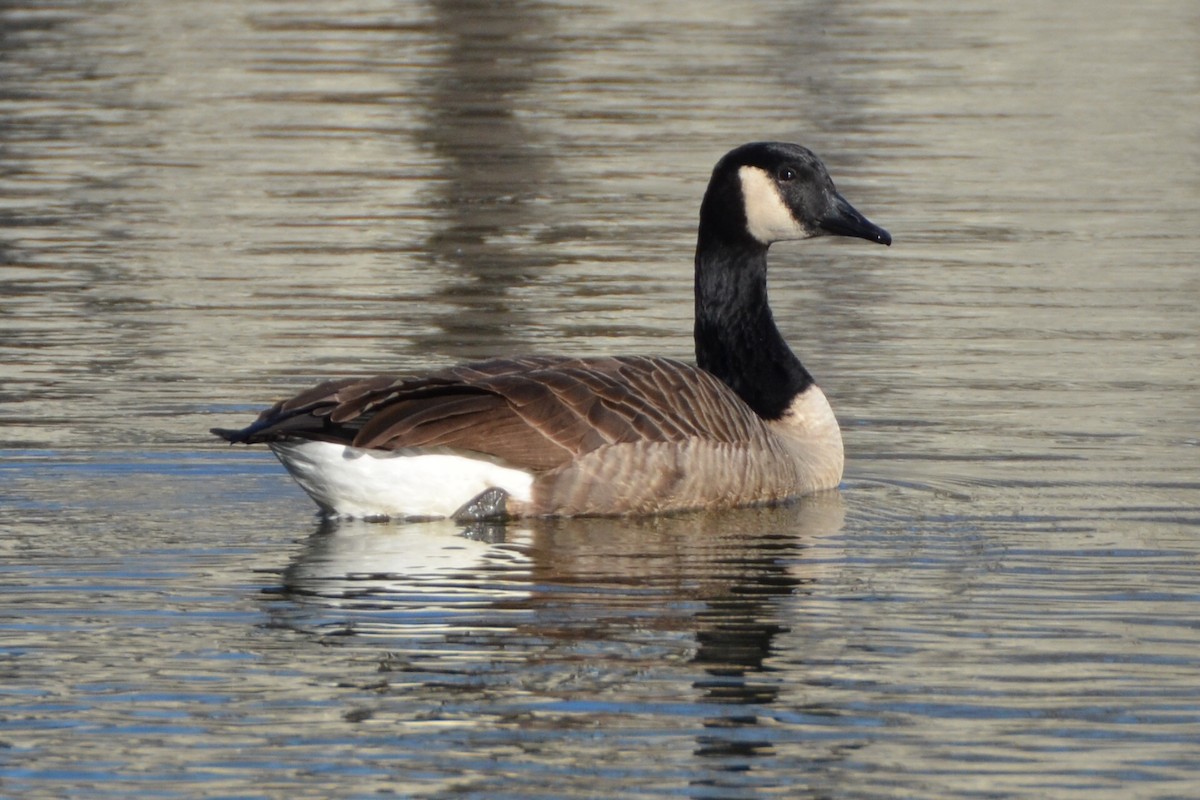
558, 436
348, 571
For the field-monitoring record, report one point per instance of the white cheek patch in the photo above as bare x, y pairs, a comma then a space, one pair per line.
768, 218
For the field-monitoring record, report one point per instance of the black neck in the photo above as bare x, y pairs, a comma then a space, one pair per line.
736, 336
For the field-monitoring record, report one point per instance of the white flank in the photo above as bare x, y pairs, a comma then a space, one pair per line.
351, 482
767, 217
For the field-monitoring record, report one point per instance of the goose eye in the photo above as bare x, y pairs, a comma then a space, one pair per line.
787, 174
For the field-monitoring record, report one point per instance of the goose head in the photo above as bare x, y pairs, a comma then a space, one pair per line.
767, 192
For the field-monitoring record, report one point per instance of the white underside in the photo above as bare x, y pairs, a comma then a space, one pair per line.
352, 482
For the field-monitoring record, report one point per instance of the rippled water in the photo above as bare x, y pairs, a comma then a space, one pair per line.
205, 206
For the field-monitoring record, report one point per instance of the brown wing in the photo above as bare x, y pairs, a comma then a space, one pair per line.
537, 412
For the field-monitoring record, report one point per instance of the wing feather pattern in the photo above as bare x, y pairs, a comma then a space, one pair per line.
536, 413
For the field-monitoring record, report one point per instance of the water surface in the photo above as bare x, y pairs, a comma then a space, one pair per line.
206, 206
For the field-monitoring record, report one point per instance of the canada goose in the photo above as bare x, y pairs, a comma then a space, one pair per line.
559, 436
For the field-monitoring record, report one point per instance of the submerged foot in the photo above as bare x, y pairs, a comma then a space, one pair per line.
490, 504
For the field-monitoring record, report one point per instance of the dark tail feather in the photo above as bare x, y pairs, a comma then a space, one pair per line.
229, 435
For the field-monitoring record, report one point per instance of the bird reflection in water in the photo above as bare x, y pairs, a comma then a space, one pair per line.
548, 621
